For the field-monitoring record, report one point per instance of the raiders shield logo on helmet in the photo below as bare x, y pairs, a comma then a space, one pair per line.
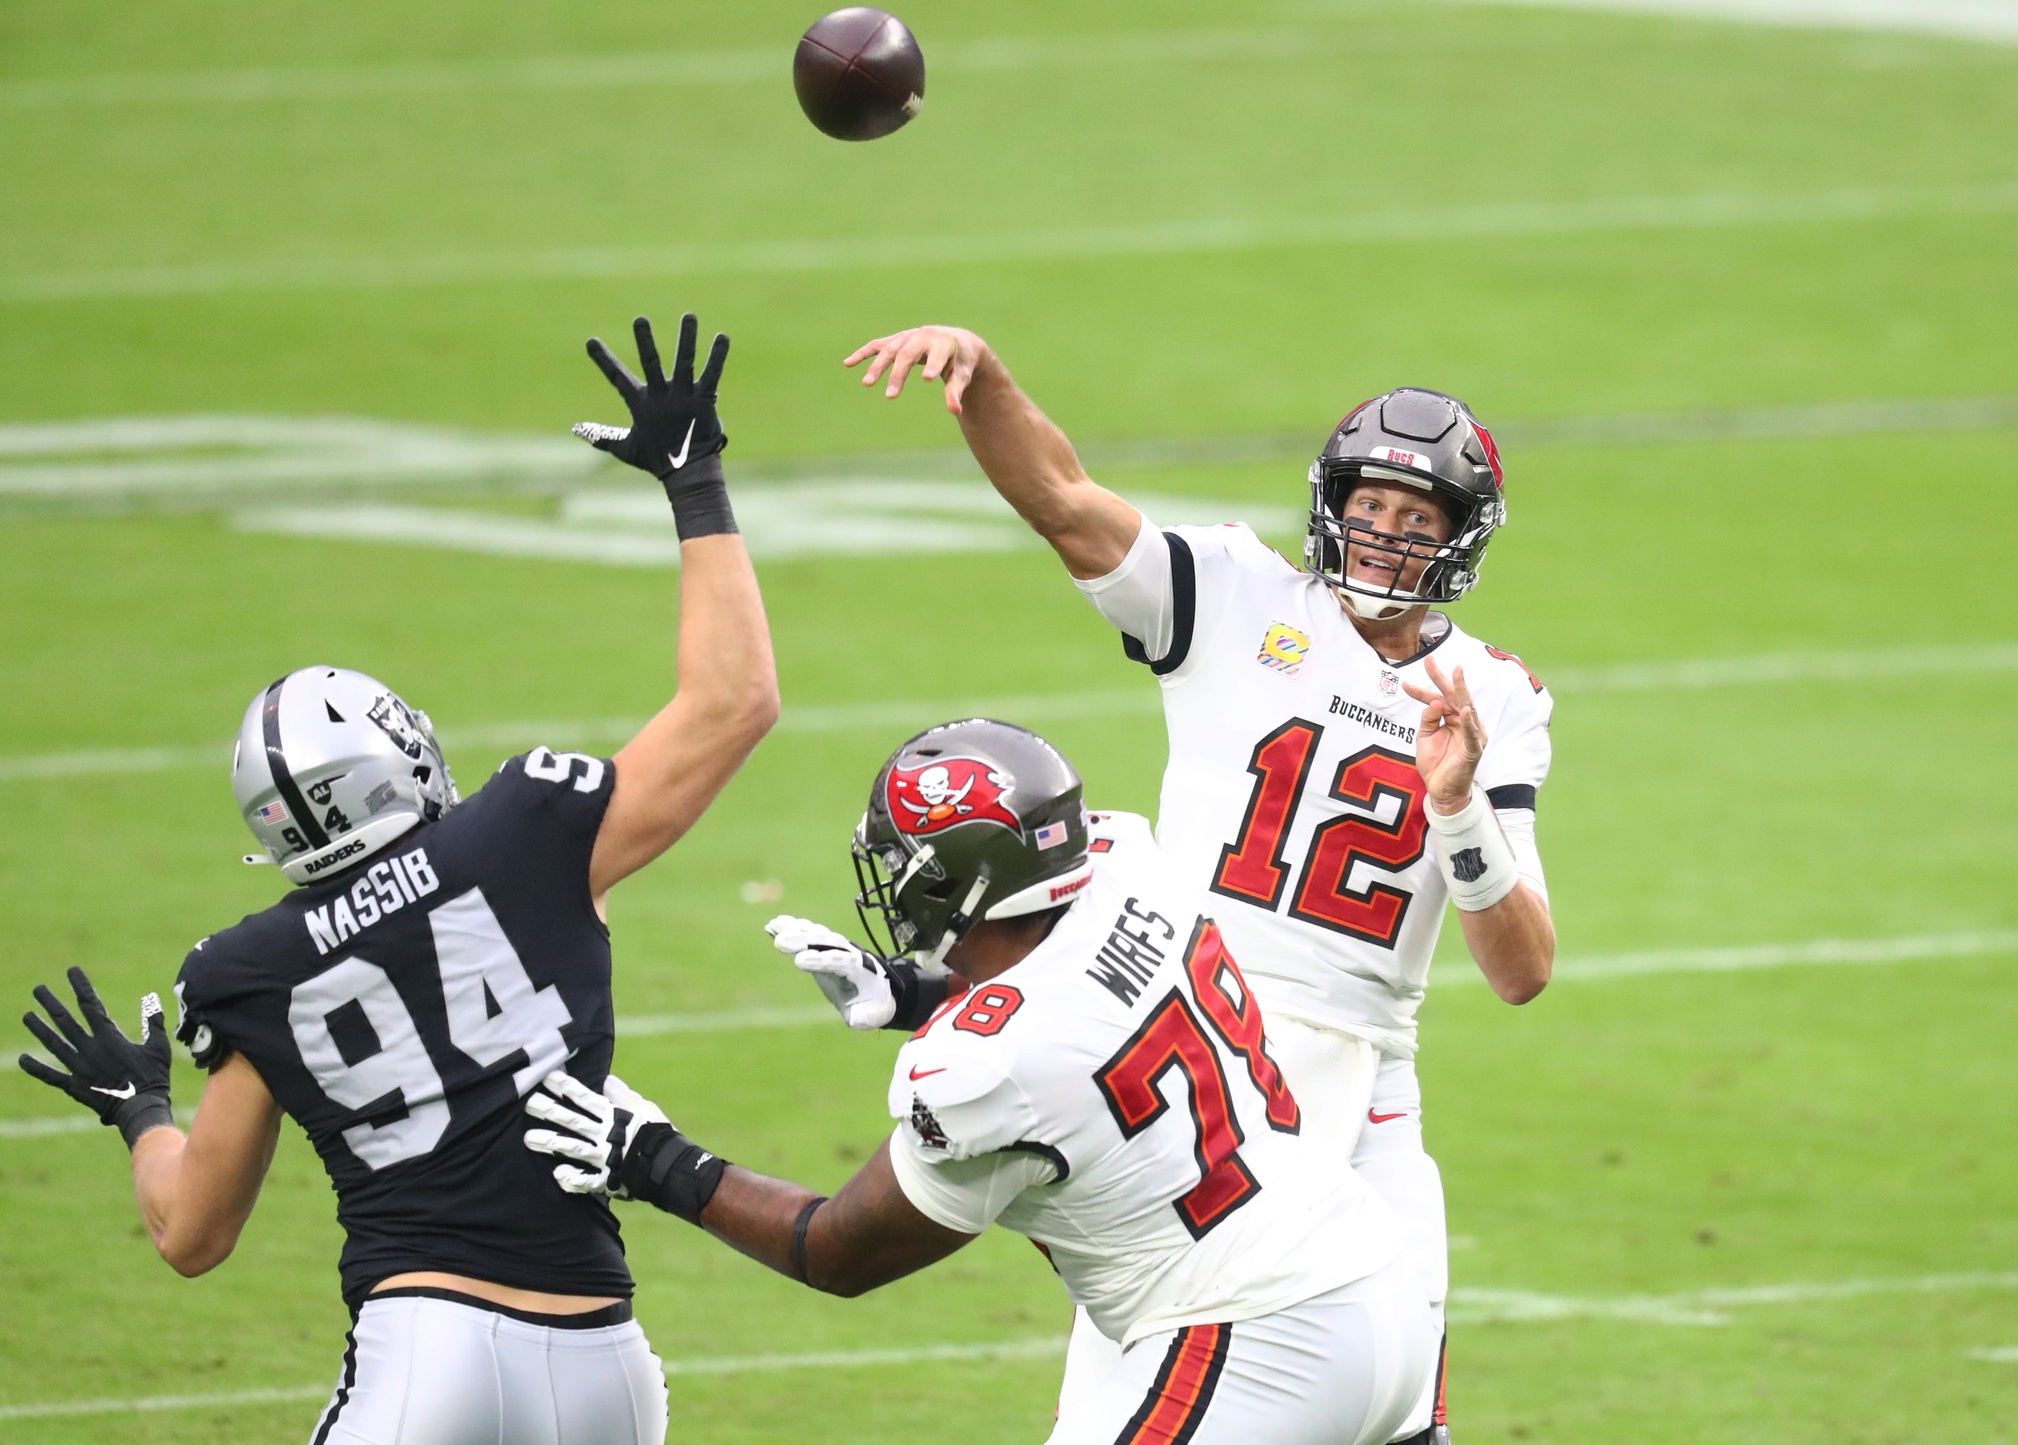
949, 791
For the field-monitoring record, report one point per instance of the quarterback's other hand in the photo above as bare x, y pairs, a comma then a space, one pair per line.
855, 981
595, 1130
673, 420
1450, 739
946, 351
124, 1083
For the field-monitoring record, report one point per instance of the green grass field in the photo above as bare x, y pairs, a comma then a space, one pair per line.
1657, 253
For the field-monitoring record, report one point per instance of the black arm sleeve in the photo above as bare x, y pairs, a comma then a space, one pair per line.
917, 993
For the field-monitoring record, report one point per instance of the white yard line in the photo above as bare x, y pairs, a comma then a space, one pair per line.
1711, 1307
1685, 675
1821, 952
1997, 1355
1467, 1306
1983, 20
1817, 953
1198, 236
768, 66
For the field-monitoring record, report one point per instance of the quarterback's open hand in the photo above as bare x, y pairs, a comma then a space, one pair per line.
597, 1131
1450, 739
946, 351
673, 421
855, 981
124, 1083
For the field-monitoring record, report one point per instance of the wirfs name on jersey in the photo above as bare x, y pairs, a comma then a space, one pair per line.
385, 888
1128, 959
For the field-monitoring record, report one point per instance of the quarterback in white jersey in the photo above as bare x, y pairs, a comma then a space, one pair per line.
1343, 760
1097, 1077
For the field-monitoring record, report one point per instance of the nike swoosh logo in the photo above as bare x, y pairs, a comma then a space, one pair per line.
918, 1073
1373, 1118
681, 459
125, 1093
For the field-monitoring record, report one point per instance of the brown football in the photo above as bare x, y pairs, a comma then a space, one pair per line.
859, 73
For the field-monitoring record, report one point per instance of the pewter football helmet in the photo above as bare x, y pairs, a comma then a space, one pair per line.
331, 766
968, 820
1420, 439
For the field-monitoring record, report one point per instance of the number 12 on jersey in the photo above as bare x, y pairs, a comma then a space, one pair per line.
1253, 870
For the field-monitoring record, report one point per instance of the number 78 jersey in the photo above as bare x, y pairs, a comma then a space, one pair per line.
1112, 1096
1292, 793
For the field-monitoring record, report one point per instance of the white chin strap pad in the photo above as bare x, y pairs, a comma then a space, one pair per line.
1048, 894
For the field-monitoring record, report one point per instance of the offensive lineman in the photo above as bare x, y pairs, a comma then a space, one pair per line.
1102, 1085
1342, 758
439, 958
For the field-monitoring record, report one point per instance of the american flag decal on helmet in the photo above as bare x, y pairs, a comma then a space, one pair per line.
273, 814
1051, 835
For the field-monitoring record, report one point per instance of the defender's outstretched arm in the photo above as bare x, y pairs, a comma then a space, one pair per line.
727, 697
1025, 455
195, 1191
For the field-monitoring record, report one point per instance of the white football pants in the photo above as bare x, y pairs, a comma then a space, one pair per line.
429, 1367
1367, 1106
1342, 1368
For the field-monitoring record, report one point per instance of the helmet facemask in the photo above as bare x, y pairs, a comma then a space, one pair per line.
1450, 568
969, 820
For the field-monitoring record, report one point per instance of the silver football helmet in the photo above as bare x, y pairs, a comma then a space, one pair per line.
332, 766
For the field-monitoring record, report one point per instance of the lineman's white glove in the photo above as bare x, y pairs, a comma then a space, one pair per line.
855, 981
596, 1130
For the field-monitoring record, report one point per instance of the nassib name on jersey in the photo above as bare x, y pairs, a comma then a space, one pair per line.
382, 889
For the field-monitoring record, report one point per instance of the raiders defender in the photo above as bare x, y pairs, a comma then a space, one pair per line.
437, 960
1100, 1081
1343, 759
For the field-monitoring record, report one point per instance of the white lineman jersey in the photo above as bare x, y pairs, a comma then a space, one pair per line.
1112, 1097
1291, 791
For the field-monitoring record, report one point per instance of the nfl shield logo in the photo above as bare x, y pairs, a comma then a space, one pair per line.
273, 814
1390, 684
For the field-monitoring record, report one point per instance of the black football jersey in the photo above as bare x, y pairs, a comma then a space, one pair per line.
401, 1011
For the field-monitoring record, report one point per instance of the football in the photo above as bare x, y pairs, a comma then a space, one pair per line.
859, 73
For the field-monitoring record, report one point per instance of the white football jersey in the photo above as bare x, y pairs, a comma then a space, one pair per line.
1291, 791
1113, 1098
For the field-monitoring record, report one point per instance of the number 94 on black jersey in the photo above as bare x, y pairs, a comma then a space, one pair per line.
399, 1012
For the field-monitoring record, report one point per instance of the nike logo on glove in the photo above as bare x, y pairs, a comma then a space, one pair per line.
686, 446
1373, 1118
125, 1093
918, 1073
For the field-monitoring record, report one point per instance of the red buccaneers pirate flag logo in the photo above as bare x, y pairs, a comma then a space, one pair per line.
946, 792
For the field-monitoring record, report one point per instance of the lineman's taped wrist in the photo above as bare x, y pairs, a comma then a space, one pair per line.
917, 993
139, 1114
666, 1168
1476, 859
700, 498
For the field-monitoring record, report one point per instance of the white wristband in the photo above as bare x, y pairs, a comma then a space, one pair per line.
1476, 859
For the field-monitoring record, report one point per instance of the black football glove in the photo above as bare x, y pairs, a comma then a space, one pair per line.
674, 432
124, 1083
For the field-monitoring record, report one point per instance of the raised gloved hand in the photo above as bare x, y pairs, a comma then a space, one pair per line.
625, 1146
124, 1083
674, 433
858, 983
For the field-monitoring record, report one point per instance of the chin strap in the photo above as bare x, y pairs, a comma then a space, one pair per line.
959, 923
